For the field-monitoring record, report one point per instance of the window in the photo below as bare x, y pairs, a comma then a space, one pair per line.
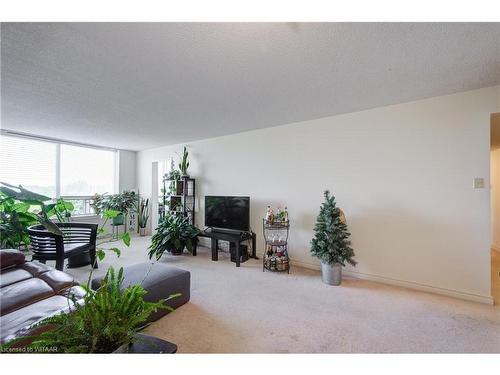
29, 163
74, 173
86, 171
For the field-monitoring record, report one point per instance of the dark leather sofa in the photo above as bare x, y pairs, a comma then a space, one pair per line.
30, 292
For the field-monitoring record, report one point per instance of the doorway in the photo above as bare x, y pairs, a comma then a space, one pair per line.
495, 206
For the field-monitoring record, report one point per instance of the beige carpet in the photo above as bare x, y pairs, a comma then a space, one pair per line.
247, 311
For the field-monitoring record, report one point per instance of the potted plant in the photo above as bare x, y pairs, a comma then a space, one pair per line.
107, 321
17, 214
184, 163
143, 216
123, 203
175, 185
174, 233
15, 218
173, 175
331, 241
98, 203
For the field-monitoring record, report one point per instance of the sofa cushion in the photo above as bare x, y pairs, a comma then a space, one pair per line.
57, 280
18, 295
35, 268
30, 292
10, 258
13, 275
19, 322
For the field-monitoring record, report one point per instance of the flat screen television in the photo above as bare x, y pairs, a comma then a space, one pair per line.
227, 212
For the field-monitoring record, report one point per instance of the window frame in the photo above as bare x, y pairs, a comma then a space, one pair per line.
58, 144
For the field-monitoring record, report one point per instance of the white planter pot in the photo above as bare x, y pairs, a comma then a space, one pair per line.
142, 232
331, 274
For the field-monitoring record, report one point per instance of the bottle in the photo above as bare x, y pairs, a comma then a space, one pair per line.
269, 250
268, 214
285, 216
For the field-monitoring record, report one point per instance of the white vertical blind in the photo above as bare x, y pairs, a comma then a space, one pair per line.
29, 163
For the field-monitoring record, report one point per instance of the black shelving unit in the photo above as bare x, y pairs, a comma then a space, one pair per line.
275, 257
178, 198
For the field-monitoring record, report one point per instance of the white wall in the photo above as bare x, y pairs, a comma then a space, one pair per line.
402, 174
127, 170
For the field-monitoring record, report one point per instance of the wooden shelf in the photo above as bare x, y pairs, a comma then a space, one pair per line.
183, 201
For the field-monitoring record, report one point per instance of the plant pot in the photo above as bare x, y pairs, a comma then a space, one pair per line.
142, 232
175, 251
119, 219
331, 274
185, 176
146, 344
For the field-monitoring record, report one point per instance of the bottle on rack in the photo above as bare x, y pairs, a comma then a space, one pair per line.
269, 250
268, 214
285, 216
270, 219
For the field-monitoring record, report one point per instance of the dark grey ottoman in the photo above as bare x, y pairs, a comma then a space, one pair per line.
161, 282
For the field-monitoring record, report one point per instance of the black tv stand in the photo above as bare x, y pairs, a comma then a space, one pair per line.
235, 237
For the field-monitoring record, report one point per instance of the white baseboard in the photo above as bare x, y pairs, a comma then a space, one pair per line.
405, 284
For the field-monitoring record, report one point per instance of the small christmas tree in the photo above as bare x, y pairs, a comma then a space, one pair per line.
331, 238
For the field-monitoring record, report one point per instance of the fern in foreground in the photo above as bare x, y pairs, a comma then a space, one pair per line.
108, 318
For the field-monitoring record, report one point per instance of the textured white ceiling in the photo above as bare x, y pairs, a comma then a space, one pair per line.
141, 85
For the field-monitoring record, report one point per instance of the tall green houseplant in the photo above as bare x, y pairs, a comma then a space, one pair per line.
184, 162
173, 234
331, 244
21, 208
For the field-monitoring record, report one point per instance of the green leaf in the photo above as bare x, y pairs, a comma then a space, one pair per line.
172, 296
50, 226
100, 254
69, 206
23, 194
177, 244
126, 238
21, 207
111, 214
116, 250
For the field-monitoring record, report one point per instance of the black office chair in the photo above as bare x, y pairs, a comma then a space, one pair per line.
78, 239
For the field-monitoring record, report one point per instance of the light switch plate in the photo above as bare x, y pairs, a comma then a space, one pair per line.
478, 183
